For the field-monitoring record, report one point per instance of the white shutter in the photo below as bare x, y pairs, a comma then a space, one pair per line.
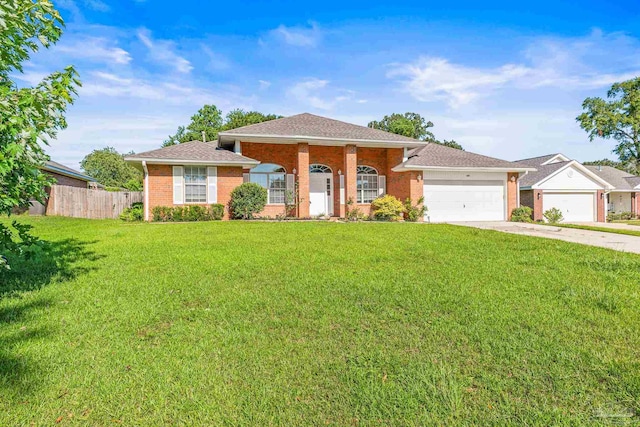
291, 183
212, 184
382, 185
342, 201
178, 188
245, 177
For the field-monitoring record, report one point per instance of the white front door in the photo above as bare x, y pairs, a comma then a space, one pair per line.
575, 207
320, 194
454, 200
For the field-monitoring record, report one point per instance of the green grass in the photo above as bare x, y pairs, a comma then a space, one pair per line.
316, 324
596, 228
630, 222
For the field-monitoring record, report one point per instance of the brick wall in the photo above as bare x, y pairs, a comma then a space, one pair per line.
537, 205
228, 179
600, 206
66, 180
512, 193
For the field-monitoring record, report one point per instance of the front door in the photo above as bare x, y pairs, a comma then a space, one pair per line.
320, 194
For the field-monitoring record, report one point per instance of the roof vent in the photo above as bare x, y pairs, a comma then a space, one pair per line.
600, 167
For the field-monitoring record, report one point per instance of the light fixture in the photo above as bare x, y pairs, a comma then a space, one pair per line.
538, 196
294, 171
339, 172
513, 178
419, 177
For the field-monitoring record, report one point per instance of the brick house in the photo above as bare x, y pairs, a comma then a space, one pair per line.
333, 163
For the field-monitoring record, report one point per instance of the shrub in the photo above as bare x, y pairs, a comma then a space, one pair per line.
553, 216
522, 214
247, 200
387, 208
624, 216
214, 212
414, 213
134, 213
354, 214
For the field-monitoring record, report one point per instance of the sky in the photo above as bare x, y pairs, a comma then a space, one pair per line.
502, 78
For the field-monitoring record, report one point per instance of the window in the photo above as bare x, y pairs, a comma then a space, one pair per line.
319, 169
273, 178
367, 179
195, 184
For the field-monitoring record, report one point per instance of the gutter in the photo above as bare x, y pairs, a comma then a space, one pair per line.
403, 168
145, 187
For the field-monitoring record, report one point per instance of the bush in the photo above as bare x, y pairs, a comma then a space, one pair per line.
553, 216
414, 213
624, 216
134, 213
522, 214
247, 200
214, 212
387, 208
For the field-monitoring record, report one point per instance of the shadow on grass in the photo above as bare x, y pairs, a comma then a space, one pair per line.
57, 262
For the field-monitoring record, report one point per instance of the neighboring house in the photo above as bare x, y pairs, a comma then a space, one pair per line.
562, 183
625, 194
332, 163
63, 175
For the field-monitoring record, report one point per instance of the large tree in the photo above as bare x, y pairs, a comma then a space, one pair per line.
412, 125
617, 118
108, 167
209, 120
28, 115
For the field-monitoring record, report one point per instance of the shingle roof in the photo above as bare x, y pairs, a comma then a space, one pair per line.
193, 151
56, 167
620, 180
542, 172
311, 126
438, 155
537, 161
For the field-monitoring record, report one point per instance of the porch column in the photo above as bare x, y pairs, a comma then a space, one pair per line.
634, 204
303, 179
512, 193
600, 203
537, 205
350, 179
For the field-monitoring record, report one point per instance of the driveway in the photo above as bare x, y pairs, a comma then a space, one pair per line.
618, 242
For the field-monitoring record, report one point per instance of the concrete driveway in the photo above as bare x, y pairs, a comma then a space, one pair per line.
618, 242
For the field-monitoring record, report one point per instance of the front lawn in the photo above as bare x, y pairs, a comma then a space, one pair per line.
317, 324
601, 229
630, 221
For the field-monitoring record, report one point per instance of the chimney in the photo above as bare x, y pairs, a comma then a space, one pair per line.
204, 136
600, 167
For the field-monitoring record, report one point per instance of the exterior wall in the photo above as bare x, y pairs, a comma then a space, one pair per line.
526, 198
600, 201
350, 179
512, 193
635, 203
160, 184
537, 205
68, 181
570, 179
303, 179
620, 202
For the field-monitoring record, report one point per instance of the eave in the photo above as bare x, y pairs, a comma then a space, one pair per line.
316, 140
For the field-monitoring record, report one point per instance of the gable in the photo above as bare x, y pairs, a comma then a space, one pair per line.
570, 178
556, 159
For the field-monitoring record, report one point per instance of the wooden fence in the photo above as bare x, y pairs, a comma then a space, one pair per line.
89, 203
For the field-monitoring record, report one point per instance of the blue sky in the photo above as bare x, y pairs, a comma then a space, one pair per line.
504, 79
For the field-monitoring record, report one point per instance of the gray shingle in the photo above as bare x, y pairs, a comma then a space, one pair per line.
442, 156
542, 172
193, 151
620, 180
311, 126
537, 161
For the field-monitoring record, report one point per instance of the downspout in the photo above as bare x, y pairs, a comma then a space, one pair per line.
145, 187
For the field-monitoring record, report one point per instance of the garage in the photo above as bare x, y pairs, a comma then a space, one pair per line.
575, 207
451, 200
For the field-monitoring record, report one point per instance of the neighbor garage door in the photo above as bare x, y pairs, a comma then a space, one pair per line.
575, 207
449, 200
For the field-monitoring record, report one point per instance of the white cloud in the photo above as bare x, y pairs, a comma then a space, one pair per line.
307, 92
163, 52
581, 63
217, 61
298, 36
264, 84
94, 49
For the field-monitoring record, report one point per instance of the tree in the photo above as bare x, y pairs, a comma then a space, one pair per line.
411, 125
209, 119
616, 118
108, 167
28, 115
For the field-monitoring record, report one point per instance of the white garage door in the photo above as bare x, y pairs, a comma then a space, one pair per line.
575, 207
450, 201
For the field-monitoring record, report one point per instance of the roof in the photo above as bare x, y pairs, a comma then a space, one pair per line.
620, 179
537, 161
311, 128
435, 155
541, 173
61, 169
192, 152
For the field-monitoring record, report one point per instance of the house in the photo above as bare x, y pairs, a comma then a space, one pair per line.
625, 193
559, 182
63, 175
332, 164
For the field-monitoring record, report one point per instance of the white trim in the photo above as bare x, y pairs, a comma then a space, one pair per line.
178, 185
212, 184
404, 168
561, 157
145, 188
318, 140
179, 162
580, 167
